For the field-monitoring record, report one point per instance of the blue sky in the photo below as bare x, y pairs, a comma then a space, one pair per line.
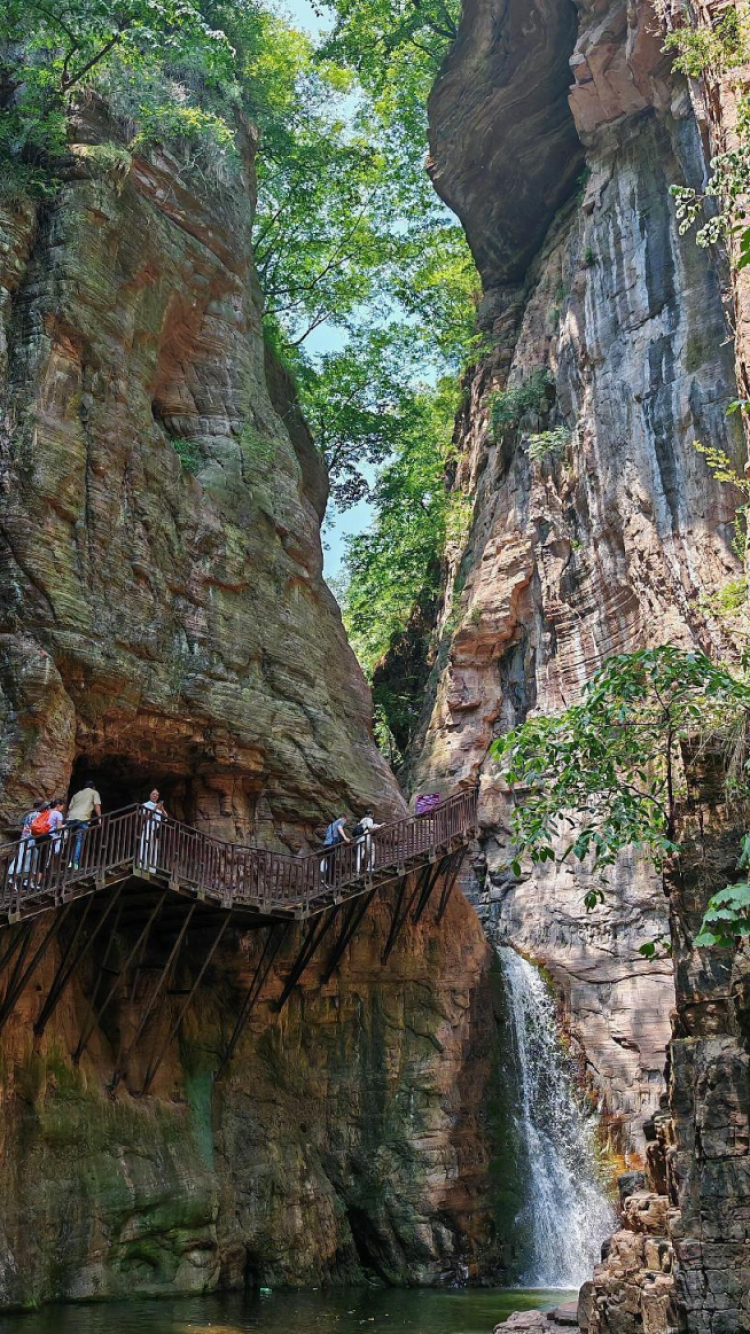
302, 13
337, 526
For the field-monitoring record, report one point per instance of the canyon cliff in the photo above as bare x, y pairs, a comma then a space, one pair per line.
164, 625
557, 132
165, 622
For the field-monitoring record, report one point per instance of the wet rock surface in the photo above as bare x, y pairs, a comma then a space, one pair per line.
708, 1161
357, 1135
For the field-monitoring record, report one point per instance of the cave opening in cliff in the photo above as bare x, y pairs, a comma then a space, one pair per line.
121, 781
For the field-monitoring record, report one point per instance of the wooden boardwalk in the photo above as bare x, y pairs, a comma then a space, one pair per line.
134, 842
139, 886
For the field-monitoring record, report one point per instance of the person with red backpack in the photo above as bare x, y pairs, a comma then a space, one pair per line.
45, 829
25, 859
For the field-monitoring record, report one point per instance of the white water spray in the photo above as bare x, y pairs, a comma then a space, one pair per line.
567, 1211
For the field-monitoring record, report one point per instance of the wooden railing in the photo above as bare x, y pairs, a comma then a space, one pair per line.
135, 841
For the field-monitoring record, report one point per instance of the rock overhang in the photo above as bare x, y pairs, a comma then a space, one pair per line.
505, 153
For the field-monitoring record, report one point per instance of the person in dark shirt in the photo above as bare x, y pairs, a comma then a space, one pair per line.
335, 834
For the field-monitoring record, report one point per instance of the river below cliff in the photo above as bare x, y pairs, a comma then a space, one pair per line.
423, 1311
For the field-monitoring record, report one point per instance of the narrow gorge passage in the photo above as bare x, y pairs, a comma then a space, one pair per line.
374, 670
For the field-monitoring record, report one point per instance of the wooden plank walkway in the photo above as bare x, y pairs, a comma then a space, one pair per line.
231, 876
143, 889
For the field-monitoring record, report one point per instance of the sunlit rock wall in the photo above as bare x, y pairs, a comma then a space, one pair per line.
169, 625
619, 538
351, 1138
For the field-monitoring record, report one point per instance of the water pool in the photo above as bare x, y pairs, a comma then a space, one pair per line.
350, 1311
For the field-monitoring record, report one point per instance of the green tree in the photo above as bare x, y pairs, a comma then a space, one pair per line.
609, 772
712, 51
396, 564
52, 51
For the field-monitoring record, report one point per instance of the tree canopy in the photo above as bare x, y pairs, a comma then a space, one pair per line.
609, 773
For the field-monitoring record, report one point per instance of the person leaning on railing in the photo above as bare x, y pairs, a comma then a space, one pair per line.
155, 812
83, 805
362, 834
335, 835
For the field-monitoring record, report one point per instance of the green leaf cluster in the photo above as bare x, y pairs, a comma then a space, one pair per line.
52, 52
508, 407
727, 918
608, 771
712, 50
701, 49
395, 566
189, 454
548, 445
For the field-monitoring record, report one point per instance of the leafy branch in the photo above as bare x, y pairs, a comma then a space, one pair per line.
609, 772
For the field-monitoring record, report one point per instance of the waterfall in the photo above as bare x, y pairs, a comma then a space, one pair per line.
567, 1213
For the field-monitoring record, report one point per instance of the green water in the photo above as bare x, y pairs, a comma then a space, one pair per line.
353, 1311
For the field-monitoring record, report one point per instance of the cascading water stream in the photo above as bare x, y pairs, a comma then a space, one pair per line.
567, 1213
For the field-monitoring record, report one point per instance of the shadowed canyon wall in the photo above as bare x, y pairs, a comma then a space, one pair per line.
350, 1138
607, 533
164, 621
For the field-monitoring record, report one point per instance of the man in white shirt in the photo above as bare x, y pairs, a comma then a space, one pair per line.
365, 847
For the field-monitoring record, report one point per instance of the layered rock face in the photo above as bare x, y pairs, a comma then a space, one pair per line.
168, 624
163, 626
681, 1258
350, 1138
709, 1159
597, 527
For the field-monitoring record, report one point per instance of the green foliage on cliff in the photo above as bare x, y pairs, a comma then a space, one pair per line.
189, 453
711, 51
727, 918
509, 406
609, 773
348, 232
395, 565
548, 445
52, 52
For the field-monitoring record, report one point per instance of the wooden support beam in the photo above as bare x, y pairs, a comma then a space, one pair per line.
450, 881
402, 909
395, 922
355, 911
158, 1056
21, 977
18, 963
274, 940
319, 928
98, 1014
434, 874
72, 957
17, 937
122, 1064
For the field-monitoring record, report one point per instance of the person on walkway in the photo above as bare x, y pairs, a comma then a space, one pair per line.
363, 833
46, 829
155, 812
25, 859
335, 835
56, 822
83, 805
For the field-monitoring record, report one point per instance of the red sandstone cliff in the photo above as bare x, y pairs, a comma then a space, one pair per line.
169, 625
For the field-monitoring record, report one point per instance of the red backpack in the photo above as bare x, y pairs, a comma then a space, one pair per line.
41, 823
